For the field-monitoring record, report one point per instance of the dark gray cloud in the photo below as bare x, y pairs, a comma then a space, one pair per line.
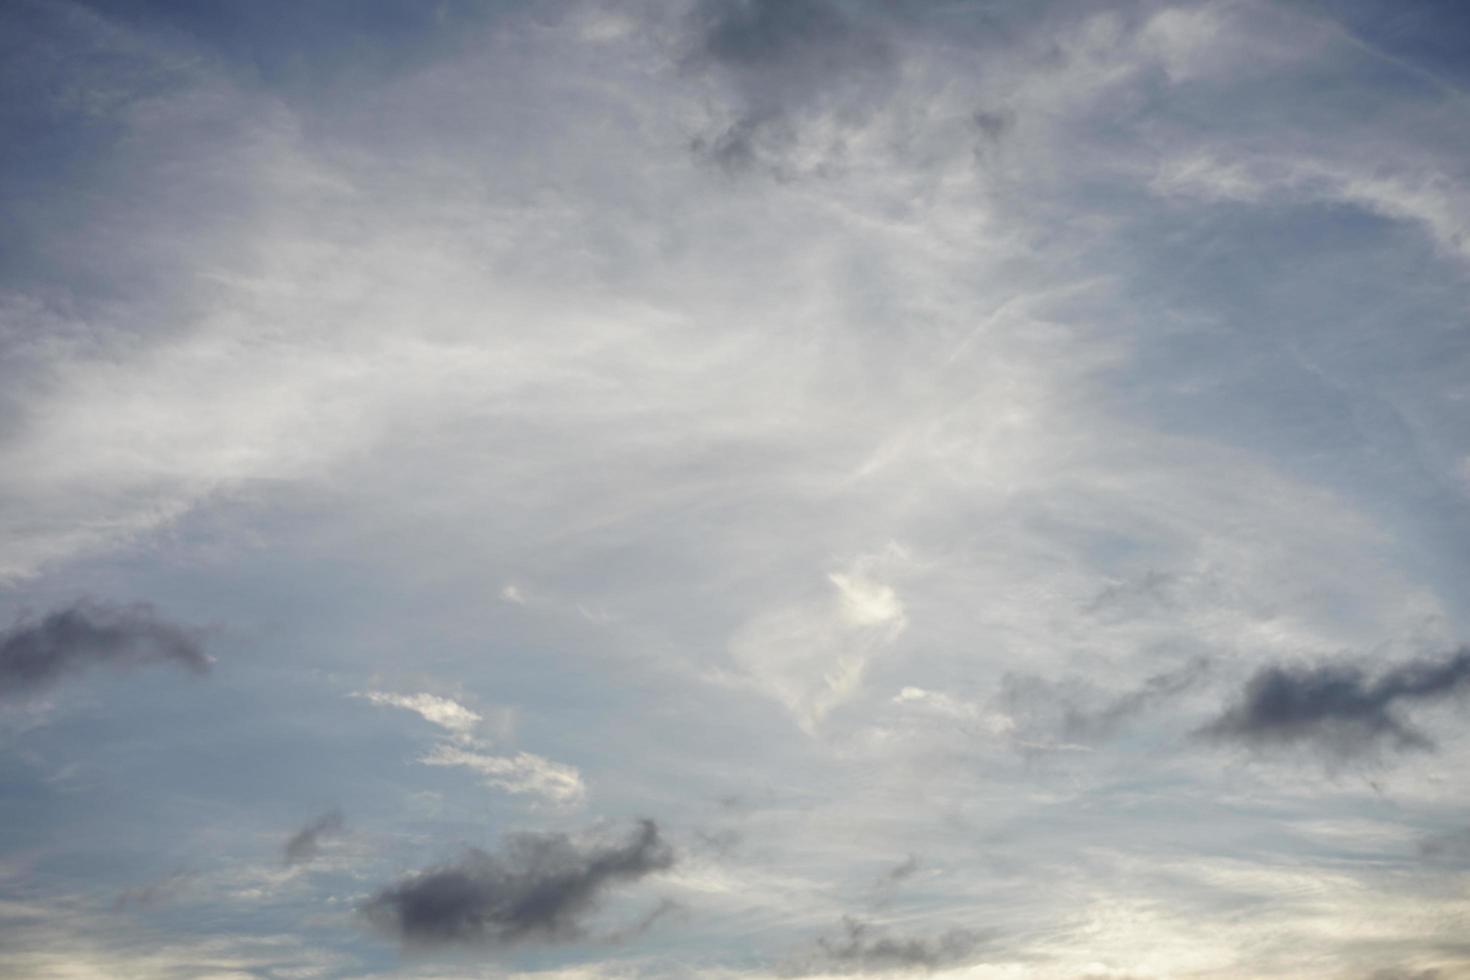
540, 889
783, 58
862, 948
1338, 707
34, 655
306, 842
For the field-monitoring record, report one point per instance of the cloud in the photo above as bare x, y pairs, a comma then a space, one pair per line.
812, 653
450, 715
891, 879
306, 842
902, 871
523, 772
1450, 847
1097, 723
1337, 707
156, 892
35, 655
863, 949
541, 889
1073, 715
761, 33
785, 58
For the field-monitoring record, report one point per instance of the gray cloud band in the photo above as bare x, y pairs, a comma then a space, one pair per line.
1338, 707
36, 655
541, 888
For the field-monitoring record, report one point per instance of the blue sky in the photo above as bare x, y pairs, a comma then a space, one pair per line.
734, 488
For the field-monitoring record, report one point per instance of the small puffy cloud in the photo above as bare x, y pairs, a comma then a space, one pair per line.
36, 654
541, 888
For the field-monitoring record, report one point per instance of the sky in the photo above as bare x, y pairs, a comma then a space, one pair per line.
739, 489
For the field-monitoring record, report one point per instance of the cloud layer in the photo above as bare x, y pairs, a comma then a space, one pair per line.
909, 420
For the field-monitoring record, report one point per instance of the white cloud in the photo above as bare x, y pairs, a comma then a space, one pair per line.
812, 655
520, 773
448, 714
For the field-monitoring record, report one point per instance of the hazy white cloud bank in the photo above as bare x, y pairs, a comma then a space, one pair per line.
1023, 444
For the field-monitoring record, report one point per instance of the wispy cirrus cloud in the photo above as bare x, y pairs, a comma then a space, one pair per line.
522, 773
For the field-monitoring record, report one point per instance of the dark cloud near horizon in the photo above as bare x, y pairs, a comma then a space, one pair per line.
862, 948
1337, 707
305, 844
541, 888
35, 655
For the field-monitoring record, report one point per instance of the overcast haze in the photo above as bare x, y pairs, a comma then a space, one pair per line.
743, 489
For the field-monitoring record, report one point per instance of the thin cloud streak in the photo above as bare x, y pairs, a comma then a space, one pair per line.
305, 844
